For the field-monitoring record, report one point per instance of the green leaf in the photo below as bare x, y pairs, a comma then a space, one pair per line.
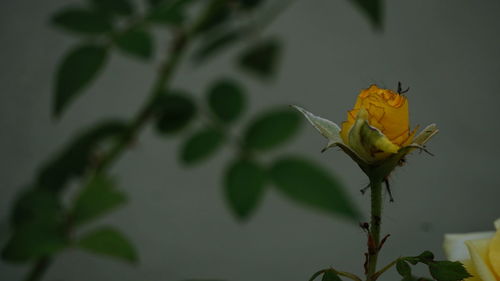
250, 4
271, 129
110, 242
448, 271
330, 275
226, 99
34, 240
426, 256
403, 268
154, 3
310, 185
372, 9
136, 42
213, 45
218, 13
77, 69
175, 110
262, 58
244, 184
169, 12
36, 205
201, 145
74, 160
84, 21
116, 7
97, 198
37, 222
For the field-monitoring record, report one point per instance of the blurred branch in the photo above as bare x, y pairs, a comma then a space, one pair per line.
175, 53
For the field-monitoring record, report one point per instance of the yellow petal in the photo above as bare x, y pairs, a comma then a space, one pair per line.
494, 254
469, 266
478, 250
497, 224
454, 244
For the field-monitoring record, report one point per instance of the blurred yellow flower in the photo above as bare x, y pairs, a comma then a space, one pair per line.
478, 251
376, 129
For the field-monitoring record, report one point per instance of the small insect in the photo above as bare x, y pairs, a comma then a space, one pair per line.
400, 90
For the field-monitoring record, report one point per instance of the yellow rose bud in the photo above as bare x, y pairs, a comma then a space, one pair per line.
479, 252
376, 133
387, 111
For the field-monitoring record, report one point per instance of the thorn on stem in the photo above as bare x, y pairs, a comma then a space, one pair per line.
364, 189
388, 187
383, 241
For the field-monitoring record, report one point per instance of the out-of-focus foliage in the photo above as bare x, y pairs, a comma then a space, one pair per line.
108, 241
309, 184
262, 58
42, 225
80, 66
226, 100
97, 198
201, 145
244, 185
174, 110
372, 9
137, 42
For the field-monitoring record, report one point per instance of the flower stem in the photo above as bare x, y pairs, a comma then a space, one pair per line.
374, 233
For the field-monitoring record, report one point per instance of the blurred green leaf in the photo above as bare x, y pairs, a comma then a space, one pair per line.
213, 45
311, 185
201, 145
97, 198
154, 3
78, 155
403, 268
110, 242
37, 226
81, 20
262, 58
117, 7
171, 12
272, 129
77, 69
226, 99
250, 4
448, 271
372, 9
330, 275
218, 12
244, 184
36, 205
34, 240
174, 110
136, 42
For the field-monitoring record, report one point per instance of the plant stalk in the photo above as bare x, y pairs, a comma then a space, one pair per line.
374, 233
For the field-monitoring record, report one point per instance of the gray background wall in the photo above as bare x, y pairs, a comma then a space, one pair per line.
447, 51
